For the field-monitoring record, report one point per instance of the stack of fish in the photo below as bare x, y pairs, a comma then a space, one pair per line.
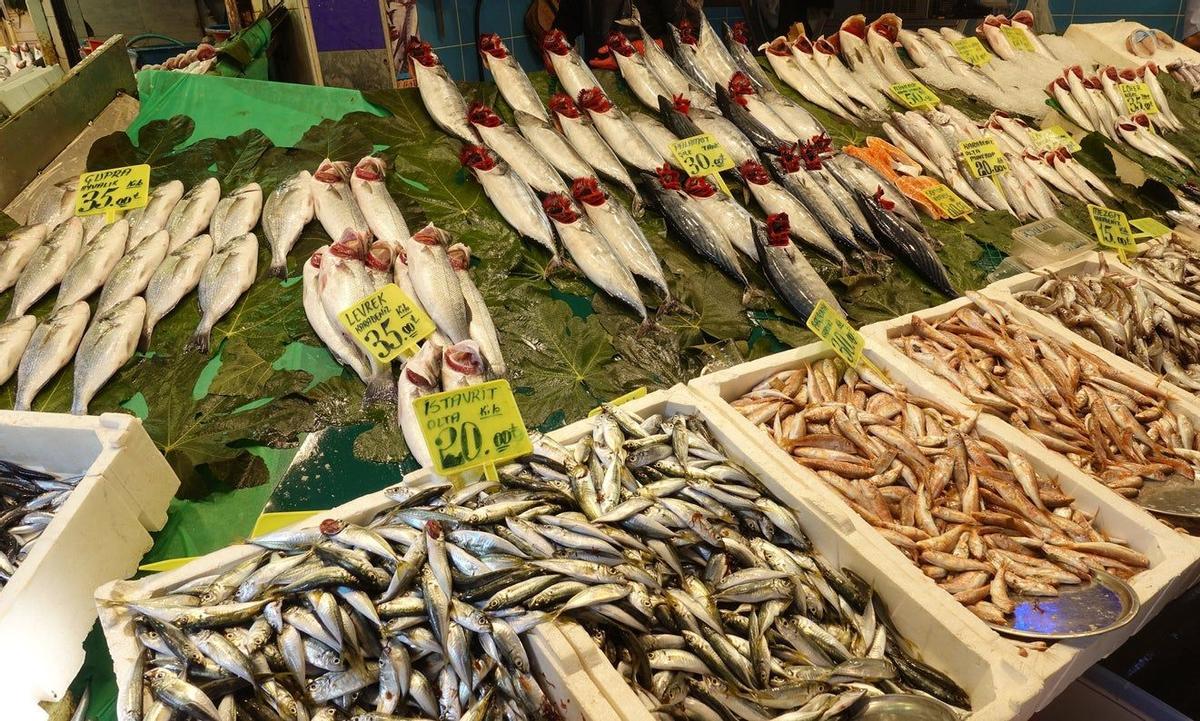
974, 515
1172, 262
704, 587
28, 501
1128, 317
1108, 423
1184, 71
1056, 168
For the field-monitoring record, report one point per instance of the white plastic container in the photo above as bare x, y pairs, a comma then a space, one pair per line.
1174, 560
100, 533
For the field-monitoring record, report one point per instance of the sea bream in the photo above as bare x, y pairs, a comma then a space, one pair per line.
685, 214
383, 216
510, 78
636, 72
156, 213
177, 275
16, 250
622, 232
289, 208
618, 130
509, 144
340, 346
14, 338
227, 275
236, 214
333, 200
107, 345
552, 145
728, 216
774, 199
50, 348
133, 271
788, 271
93, 266
592, 253
441, 97
581, 133
511, 196
737, 40
420, 376
685, 121
54, 205
435, 282
482, 327
47, 266
566, 65
191, 215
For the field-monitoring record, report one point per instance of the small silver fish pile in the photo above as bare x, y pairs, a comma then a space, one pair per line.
28, 501
1172, 262
1113, 426
1127, 317
973, 515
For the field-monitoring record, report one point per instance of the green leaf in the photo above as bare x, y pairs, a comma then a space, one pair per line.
237, 157
336, 140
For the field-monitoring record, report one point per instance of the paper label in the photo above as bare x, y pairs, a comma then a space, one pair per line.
470, 427
1137, 98
113, 190
1017, 38
833, 328
632, 395
915, 95
984, 157
387, 323
947, 201
701, 155
972, 51
1150, 227
1053, 138
1112, 229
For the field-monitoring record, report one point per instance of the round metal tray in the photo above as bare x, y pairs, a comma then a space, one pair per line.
903, 707
1099, 606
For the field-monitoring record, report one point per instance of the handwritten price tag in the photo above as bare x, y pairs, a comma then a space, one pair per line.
386, 323
470, 427
833, 328
972, 51
984, 157
1053, 138
1137, 98
947, 201
1112, 229
1017, 38
113, 190
701, 155
1150, 228
915, 95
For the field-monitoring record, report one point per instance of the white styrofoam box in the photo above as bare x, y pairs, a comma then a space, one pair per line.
564, 681
1172, 558
99, 534
933, 622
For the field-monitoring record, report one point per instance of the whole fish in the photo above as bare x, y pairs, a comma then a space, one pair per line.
619, 131
635, 70
681, 42
795, 66
236, 214
592, 253
870, 181
107, 345
93, 224
340, 346
510, 78
672, 79
288, 209
686, 121
177, 275
765, 111
566, 65
1060, 91
333, 200
989, 30
882, 36
420, 376
826, 52
788, 270
621, 231
157, 213
790, 173
552, 145
852, 41
774, 199
227, 275
463, 365
133, 272
376, 203
581, 133
482, 327
16, 250
905, 241
441, 97
686, 216
47, 266
94, 265
436, 283
657, 134
720, 62
512, 197
50, 348
752, 127
192, 213
14, 338
55, 205
510, 145
726, 214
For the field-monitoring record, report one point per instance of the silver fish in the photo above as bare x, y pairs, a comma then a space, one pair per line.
133, 272
54, 205
107, 345
773, 199
333, 200
787, 269
636, 71
287, 210
482, 328
342, 349
621, 231
227, 275
380, 210
16, 250
47, 266
510, 145
14, 338
572, 73
441, 97
512, 197
193, 212
618, 131
156, 214
177, 275
436, 284
510, 78
581, 133
236, 214
420, 376
94, 265
343, 280
463, 365
552, 145
50, 349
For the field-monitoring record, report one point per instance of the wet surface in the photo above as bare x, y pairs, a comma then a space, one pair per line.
1095, 607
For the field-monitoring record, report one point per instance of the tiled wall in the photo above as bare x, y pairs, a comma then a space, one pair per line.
1165, 15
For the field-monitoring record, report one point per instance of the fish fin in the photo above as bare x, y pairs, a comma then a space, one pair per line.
638, 204
79, 407
201, 341
380, 390
279, 271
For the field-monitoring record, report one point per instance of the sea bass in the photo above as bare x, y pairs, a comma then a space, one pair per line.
377, 205
288, 209
236, 214
107, 345
16, 250
420, 376
482, 327
156, 213
333, 200
441, 97
175, 277
512, 197
510, 145
622, 232
50, 348
193, 212
227, 275
435, 282
93, 266
510, 78
132, 273
343, 350
344, 278
47, 266
14, 338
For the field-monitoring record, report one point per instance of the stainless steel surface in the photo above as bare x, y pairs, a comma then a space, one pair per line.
1104, 604
903, 707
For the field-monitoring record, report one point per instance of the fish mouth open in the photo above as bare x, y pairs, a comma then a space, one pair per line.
331, 171
480, 114
668, 177
369, 168
828, 45
352, 245
492, 44
887, 25
559, 207
855, 25
595, 100
618, 43
380, 256
422, 52
476, 157
556, 42
779, 230
464, 357
562, 104
587, 190
779, 46
460, 256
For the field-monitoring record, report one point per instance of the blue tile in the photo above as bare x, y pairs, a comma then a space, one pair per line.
493, 18
516, 17
453, 60
470, 63
1061, 22
1062, 7
527, 54
428, 23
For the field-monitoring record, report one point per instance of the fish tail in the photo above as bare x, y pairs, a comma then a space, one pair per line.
638, 205
380, 390
79, 406
279, 268
201, 340
21, 404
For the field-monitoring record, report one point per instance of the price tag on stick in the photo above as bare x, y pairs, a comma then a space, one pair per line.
114, 190
703, 155
984, 157
972, 51
915, 95
1112, 230
466, 428
947, 201
1137, 98
1017, 38
1149, 228
387, 323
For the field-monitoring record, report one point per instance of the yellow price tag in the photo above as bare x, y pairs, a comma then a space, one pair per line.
469, 427
701, 155
947, 201
386, 323
1112, 229
915, 95
833, 328
271, 522
113, 190
984, 157
168, 565
632, 395
1149, 227
972, 51
1017, 38
1053, 138
1137, 98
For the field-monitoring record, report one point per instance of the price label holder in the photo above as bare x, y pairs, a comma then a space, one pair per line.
984, 157
111, 191
1017, 38
915, 95
639, 392
948, 202
1137, 98
1053, 138
1112, 230
1149, 228
972, 52
472, 427
387, 323
833, 328
703, 155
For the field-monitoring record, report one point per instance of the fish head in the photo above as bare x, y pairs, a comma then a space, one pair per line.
1127, 75
1076, 70
380, 256
370, 169
779, 230
831, 45
314, 260
887, 25
332, 172
460, 256
556, 42
882, 201
618, 43
431, 235
1024, 17
680, 103
699, 187
856, 25
492, 44
560, 208
668, 177
752, 171
422, 52
595, 100
789, 158
562, 104
1092, 84
482, 114
739, 85
778, 47
1109, 73
331, 526
587, 190
1141, 119
352, 244
464, 357
687, 32
1152, 67
476, 157
739, 33
803, 44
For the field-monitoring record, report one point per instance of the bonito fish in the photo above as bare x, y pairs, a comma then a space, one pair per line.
618, 130
107, 345
636, 71
773, 199
512, 197
553, 146
510, 145
690, 220
581, 133
566, 65
621, 231
176, 276
592, 253
50, 349
683, 120
288, 210
788, 271
47, 266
